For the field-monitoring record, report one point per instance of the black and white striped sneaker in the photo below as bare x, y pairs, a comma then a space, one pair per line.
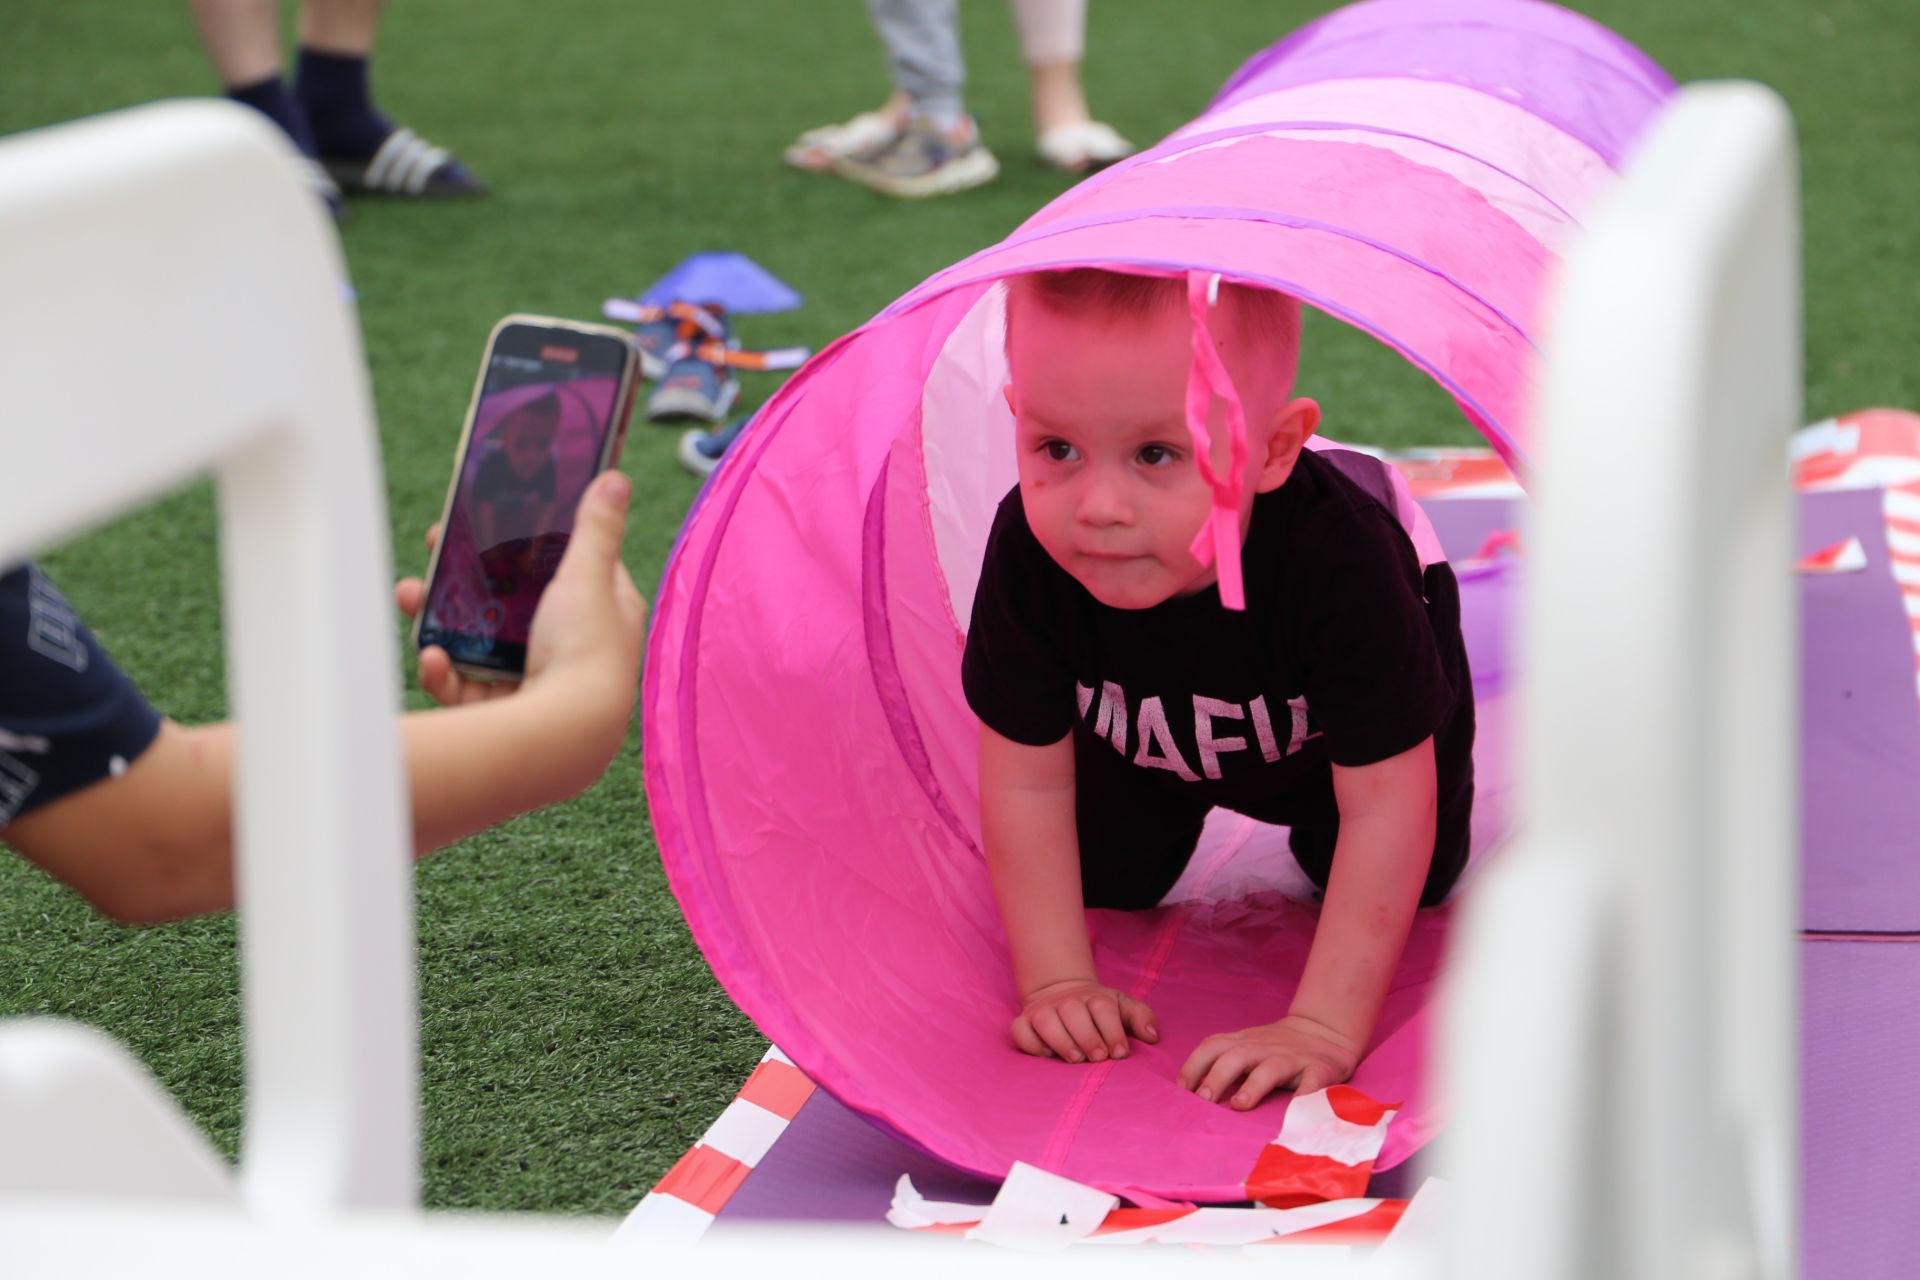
406, 164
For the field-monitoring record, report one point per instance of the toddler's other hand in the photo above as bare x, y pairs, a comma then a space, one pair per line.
1294, 1053
1081, 1021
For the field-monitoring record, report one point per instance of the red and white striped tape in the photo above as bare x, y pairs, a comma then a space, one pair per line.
1310, 1184
1901, 507
684, 1203
1848, 556
1869, 449
1866, 449
1325, 1151
1031, 1213
1455, 473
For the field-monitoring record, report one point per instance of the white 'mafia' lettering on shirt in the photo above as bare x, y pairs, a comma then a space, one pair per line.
1153, 736
1205, 710
1154, 732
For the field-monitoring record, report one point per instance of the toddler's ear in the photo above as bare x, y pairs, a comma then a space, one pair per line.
1012, 406
1293, 425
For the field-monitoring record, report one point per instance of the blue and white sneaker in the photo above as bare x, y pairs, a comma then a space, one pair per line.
693, 389
656, 340
700, 451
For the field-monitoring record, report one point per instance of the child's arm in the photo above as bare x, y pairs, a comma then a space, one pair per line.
1387, 814
156, 843
485, 518
1033, 854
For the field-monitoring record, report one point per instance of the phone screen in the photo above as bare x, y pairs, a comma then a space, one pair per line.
547, 405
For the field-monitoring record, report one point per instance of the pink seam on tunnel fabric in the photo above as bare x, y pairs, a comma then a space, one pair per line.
1075, 1113
1076, 1109
1218, 541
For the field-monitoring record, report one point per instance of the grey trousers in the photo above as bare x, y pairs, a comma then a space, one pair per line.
922, 38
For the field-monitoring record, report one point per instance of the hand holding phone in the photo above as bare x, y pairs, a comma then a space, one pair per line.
549, 412
587, 632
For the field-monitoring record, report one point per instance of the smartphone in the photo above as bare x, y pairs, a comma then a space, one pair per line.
549, 413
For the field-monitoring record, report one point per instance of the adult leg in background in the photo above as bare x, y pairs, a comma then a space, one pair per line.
1053, 43
362, 149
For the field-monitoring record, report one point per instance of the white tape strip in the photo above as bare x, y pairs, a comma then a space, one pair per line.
1311, 1127
1041, 1212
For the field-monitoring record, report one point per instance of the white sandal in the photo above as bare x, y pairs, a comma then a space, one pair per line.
820, 149
1076, 148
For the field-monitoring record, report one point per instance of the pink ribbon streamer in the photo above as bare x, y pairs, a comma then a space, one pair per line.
1218, 540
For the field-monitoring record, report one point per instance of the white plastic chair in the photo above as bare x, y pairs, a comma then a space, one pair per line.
1623, 1031
246, 362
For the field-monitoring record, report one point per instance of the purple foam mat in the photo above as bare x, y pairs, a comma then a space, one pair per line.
1462, 524
832, 1165
1860, 1115
1860, 715
1860, 731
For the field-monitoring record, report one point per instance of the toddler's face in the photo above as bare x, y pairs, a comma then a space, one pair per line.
529, 443
1107, 474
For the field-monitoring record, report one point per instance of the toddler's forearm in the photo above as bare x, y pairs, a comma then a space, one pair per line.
1379, 869
1033, 854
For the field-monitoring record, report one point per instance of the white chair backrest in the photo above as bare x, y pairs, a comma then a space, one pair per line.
1624, 1030
174, 304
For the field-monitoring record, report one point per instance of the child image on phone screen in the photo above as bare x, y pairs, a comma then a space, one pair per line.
530, 457
511, 499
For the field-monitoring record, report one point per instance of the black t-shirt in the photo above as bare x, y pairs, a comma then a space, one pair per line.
68, 717
516, 501
1346, 654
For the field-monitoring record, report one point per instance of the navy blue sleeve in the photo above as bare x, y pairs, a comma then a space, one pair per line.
68, 716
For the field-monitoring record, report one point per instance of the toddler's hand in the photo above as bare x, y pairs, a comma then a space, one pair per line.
1294, 1053
1081, 1021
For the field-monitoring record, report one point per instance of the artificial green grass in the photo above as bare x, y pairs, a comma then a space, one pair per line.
573, 1041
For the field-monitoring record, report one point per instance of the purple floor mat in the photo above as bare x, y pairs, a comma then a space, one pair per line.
1860, 729
1860, 1115
831, 1165
1860, 717
1463, 524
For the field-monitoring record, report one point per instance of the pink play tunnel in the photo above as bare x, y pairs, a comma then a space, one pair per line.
1408, 166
